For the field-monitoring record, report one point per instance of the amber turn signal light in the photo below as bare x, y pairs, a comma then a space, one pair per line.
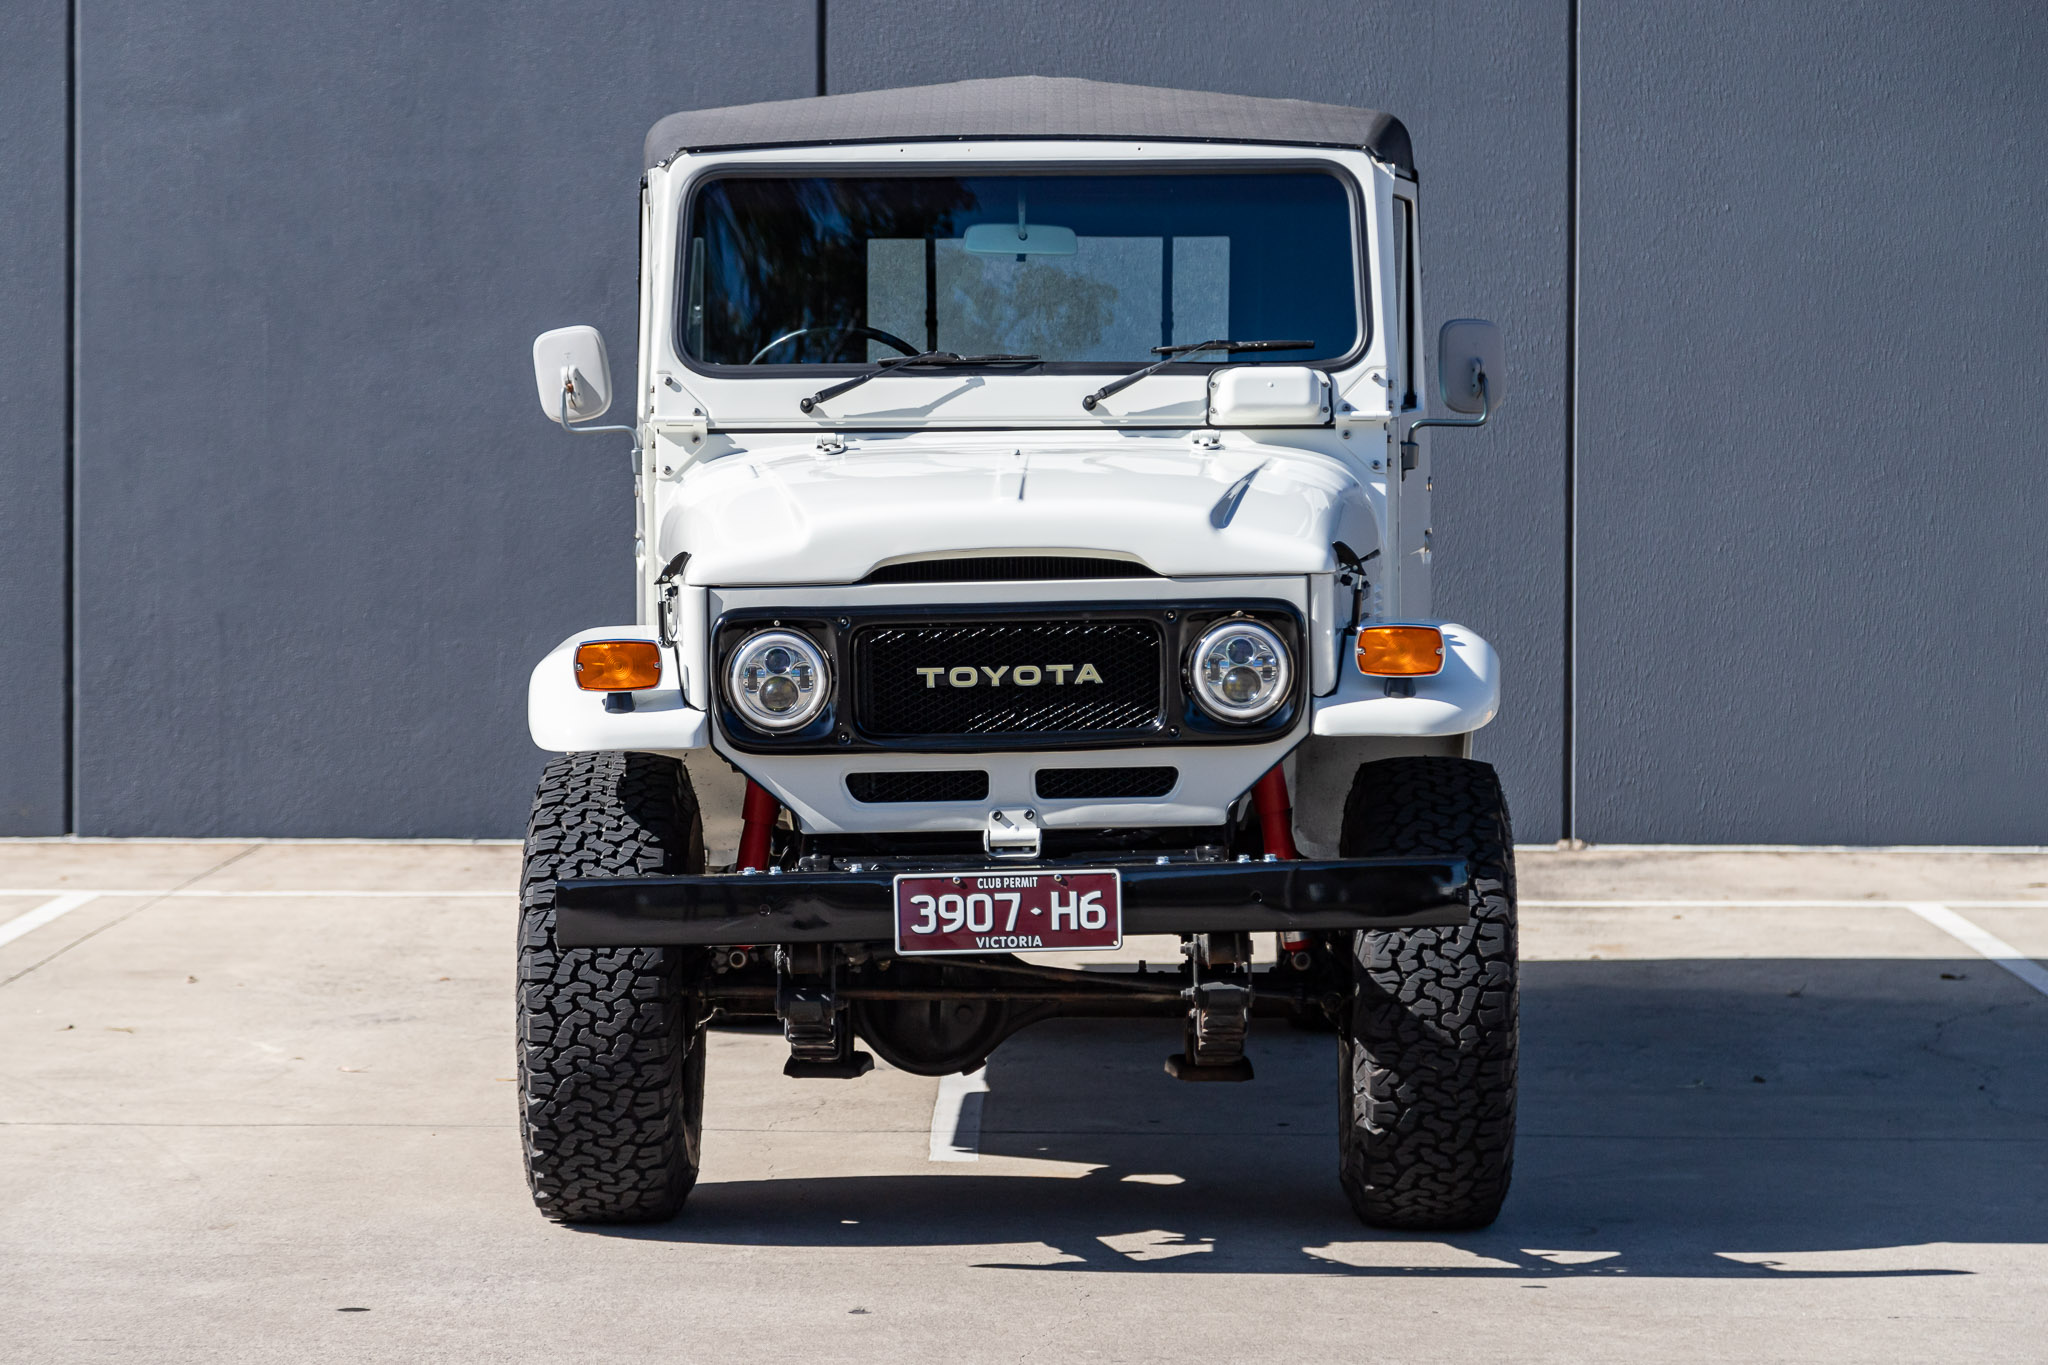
1400, 651
617, 665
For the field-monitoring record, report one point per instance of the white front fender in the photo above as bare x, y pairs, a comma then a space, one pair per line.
1458, 700
563, 718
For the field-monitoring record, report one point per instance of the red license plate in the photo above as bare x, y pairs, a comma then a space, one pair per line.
1008, 912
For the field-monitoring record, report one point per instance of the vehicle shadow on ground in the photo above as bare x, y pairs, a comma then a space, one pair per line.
1702, 1118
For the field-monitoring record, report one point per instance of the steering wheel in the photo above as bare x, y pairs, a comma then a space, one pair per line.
845, 334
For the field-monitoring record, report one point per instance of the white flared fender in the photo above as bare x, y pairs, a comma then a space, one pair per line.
563, 718
1460, 699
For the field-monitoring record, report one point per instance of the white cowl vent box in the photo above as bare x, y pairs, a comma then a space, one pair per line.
1268, 396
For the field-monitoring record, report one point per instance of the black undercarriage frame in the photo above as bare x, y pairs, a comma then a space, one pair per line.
935, 1017
814, 946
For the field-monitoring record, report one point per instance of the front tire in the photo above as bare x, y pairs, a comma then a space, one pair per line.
1428, 1038
611, 1048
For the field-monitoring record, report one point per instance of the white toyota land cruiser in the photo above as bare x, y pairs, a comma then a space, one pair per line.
1033, 550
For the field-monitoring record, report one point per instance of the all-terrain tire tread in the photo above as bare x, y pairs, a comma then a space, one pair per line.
1430, 1034
610, 1062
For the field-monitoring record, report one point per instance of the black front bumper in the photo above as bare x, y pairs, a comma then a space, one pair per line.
1168, 898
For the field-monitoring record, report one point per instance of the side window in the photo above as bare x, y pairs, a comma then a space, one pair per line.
1401, 348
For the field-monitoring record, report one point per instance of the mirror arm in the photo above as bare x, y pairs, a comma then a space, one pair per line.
634, 432
1408, 447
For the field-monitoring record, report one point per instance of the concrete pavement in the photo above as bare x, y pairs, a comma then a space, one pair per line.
255, 1104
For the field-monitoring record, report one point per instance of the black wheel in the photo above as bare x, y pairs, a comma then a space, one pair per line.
611, 1056
1427, 1041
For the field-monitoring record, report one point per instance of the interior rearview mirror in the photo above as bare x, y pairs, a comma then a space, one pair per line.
1471, 368
1021, 240
572, 373
1009, 239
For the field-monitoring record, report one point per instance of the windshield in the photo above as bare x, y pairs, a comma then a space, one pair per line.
1098, 269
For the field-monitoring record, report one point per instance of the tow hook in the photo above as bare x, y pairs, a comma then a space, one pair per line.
1011, 833
1219, 1011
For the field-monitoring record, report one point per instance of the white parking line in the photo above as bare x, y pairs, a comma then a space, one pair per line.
43, 914
956, 1117
1987, 944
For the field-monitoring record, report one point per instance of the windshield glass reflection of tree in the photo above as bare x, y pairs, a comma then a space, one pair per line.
845, 271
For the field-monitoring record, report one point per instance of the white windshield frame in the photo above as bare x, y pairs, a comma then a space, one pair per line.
680, 390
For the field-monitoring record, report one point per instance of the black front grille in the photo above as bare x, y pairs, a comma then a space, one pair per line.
1081, 676
875, 788
1102, 784
1007, 569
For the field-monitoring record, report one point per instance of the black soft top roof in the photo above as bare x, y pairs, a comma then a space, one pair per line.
1031, 107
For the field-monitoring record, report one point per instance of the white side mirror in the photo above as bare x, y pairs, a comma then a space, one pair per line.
1471, 370
1471, 374
573, 374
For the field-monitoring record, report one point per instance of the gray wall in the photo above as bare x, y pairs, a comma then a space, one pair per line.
324, 532
1812, 483
34, 88
322, 535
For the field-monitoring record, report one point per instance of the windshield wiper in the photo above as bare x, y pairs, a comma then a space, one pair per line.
937, 359
1173, 353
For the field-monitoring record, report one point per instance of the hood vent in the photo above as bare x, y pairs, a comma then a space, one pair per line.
1007, 569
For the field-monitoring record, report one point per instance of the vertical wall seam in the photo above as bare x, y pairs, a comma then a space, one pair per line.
821, 46
1568, 804
71, 227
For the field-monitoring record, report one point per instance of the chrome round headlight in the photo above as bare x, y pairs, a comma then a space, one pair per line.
1241, 671
778, 680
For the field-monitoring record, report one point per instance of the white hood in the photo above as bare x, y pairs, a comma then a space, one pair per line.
798, 514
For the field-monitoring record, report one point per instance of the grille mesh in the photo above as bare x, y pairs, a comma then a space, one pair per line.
1079, 784
876, 788
898, 701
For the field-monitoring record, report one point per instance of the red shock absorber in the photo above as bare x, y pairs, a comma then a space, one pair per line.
757, 818
1276, 814
1276, 825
